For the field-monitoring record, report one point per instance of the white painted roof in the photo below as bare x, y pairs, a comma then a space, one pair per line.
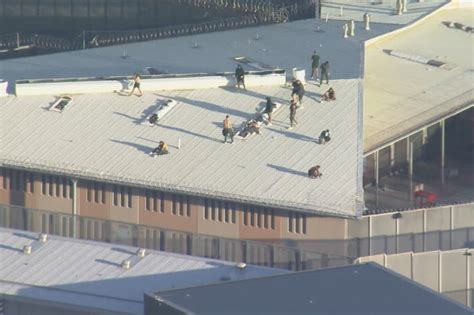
89, 274
101, 136
400, 94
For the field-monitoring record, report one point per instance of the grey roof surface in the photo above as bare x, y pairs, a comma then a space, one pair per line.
100, 137
365, 289
286, 46
88, 274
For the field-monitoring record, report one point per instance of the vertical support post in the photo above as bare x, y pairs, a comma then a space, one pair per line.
392, 155
376, 166
468, 278
442, 151
370, 235
74, 207
410, 170
424, 136
17, 40
440, 272
397, 232
451, 226
424, 230
83, 39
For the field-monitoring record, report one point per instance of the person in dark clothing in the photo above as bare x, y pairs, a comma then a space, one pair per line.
269, 109
314, 172
324, 136
293, 121
314, 65
136, 84
297, 92
240, 76
330, 95
324, 72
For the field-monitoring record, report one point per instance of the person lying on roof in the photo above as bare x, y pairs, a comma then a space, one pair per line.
161, 149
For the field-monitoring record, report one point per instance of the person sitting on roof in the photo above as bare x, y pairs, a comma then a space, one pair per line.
253, 127
153, 119
330, 95
314, 172
324, 136
161, 149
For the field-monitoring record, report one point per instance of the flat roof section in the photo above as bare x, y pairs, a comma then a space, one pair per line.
350, 290
401, 95
100, 136
89, 274
285, 46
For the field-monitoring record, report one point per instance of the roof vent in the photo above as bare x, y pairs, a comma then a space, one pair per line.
43, 238
241, 265
141, 252
126, 264
61, 104
27, 249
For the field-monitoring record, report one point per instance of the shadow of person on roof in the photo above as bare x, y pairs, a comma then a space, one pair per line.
255, 94
137, 146
107, 262
288, 170
292, 135
211, 107
135, 120
188, 132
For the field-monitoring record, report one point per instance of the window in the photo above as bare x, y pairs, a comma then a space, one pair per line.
122, 196
252, 217
59, 186
188, 206
129, 192
181, 205
89, 192
219, 212
303, 216
147, 200
51, 188
265, 218
162, 202
245, 213
174, 205
206, 209
115, 189
290, 221
5, 178
233, 213
43, 184
297, 222
213, 206
32, 183
259, 218
65, 187
272, 221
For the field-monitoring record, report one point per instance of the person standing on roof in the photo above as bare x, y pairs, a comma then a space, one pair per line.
240, 76
324, 72
228, 130
269, 109
314, 65
293, 121
136, 84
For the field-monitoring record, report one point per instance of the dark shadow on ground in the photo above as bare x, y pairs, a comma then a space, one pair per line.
137, 146
188, 132
11, 248
106, 262
292, 135
287, 170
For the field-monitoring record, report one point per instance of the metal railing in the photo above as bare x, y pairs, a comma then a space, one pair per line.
256, 253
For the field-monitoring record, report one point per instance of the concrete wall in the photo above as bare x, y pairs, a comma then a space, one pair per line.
443, 271
416, 230
109, 85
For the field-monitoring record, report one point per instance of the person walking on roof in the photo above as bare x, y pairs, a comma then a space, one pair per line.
293, 121
240, 76
324, 72
269, 109
314, 65
136, 84
228, 130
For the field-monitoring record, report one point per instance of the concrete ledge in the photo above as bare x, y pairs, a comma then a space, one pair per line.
148, 83
3, 88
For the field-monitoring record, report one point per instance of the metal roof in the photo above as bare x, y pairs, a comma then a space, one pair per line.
349, 290
89, 274
101, 137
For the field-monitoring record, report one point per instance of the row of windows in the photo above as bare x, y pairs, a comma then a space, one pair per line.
56, 186
154, 201
296, 223
181, 205
219, 211
256, 217
96, 192
122, 196
18, 180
